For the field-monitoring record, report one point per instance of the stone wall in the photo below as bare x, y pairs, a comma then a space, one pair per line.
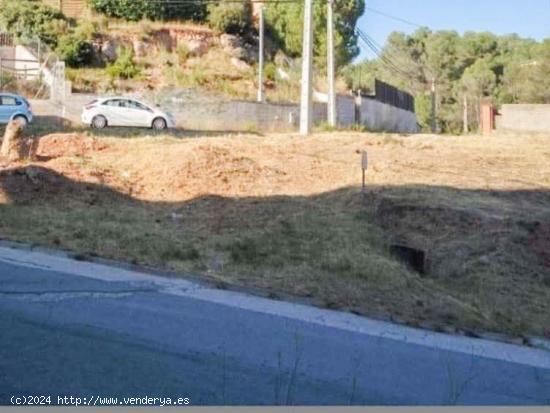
524, 118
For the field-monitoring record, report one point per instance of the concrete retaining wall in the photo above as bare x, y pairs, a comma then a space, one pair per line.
7, 53
345, 110
524, 118
253, 116
235, 115
244, 115
378, 116
26, 62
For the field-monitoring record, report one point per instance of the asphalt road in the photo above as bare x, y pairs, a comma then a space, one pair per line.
130, 335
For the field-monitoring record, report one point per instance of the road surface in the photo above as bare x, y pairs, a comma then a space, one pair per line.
71, 328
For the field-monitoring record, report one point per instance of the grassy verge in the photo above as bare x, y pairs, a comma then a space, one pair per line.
488, 266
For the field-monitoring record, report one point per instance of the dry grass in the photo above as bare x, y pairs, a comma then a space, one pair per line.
285, 214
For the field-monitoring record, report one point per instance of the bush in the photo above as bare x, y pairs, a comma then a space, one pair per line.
75, 50
234, 18
125, 66
151, 9
183, 54
30, 19
270, 71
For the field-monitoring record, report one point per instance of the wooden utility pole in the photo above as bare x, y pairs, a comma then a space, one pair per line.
306, 101
331, 106
261, 56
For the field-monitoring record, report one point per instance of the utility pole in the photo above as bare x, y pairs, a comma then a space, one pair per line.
306, 104
331, 107
434, 107
261, 57
465, 115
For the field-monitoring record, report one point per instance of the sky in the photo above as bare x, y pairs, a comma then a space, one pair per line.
528, 18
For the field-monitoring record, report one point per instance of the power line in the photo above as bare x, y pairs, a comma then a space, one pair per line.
386, 62
389, 16
386, 57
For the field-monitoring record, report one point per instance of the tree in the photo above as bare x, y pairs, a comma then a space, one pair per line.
28, 19
479, 80
232, 18
528, 81
506, 69
151, 9
285, 26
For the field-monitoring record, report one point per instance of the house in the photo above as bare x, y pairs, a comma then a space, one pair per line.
70, 8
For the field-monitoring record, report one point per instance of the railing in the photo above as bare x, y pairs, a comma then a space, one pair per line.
6, 39
45, 65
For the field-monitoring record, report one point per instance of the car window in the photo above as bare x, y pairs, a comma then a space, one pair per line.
9, 101
118, 103
136, 105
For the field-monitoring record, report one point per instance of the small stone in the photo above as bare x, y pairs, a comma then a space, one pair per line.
239, 64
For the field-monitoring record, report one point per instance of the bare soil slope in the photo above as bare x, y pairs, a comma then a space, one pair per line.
286, 214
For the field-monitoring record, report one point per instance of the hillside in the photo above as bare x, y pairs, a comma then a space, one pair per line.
147, 47
186, 56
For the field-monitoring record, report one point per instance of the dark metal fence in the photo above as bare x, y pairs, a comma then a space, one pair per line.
6, 39
392, 96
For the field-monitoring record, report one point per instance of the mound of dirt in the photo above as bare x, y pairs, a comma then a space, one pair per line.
14, 147
66, 145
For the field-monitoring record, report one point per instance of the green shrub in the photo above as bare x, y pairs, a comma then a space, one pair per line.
151, 9
125, 66
28, 19
234, 18
183, 53
270, 71
75, 50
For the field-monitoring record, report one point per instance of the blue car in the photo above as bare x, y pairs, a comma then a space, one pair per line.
14, 107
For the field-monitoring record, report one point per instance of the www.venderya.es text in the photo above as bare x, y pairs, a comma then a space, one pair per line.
98, 401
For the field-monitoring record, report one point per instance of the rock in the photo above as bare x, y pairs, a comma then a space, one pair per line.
13, 144
109, 50
230, 41
239, 64
197, 47
140, 48
251, 53
282, 74
176, 216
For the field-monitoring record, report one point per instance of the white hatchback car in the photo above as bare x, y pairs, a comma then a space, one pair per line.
122, 111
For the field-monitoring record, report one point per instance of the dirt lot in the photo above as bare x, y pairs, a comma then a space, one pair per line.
286, 215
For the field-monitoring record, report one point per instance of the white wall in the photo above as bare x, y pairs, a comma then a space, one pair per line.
524, 118
26, 60
7, 53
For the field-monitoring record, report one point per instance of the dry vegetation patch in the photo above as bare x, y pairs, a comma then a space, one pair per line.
286, 214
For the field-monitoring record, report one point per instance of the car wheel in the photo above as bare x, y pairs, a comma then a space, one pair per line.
99, 122
159, 124
22, 120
